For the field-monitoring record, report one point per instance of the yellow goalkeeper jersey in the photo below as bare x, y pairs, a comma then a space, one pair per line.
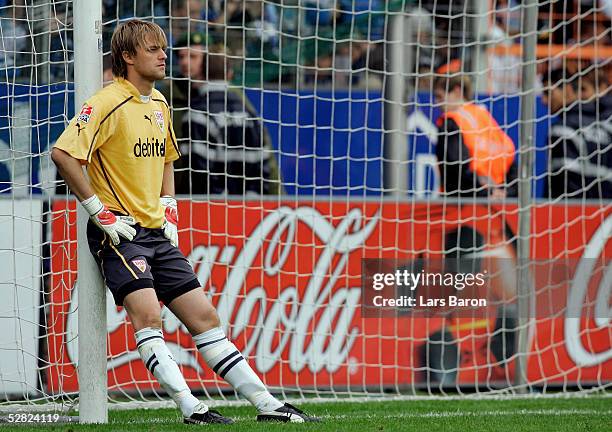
125, 140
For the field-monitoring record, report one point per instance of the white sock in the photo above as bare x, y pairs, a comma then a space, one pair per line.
158, 360
223, 357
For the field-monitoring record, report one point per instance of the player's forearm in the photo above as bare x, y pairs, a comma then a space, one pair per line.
72, 172
168, 180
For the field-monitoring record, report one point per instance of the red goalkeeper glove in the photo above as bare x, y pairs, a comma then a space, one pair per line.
112, 225
170, 226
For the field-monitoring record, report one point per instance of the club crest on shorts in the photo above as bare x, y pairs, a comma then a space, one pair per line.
140, 264
159, 118
85, 114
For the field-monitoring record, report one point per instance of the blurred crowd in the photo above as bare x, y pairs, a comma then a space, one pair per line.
323, 43
307, 38
333, 44
278, 41
447, 40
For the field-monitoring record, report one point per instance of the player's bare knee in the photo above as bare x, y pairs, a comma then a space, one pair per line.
148, 319
212, 319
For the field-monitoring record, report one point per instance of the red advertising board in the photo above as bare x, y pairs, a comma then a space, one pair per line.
286, 280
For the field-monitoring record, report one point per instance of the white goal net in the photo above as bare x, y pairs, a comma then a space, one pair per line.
328, 146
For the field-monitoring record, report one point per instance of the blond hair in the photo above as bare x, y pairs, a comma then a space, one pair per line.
130, 35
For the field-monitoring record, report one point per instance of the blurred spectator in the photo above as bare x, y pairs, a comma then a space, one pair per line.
228, 151
364, 16
508, 16
14, 40
190, 57
505, 68
213, 9
124, 9
475, 156
425, 56
424, 78
243, 12
353, 66
594, 86
189, 48
347, 46
594, 28
318, 14
579, 142
188, 16
364, 72
345, 63
258, 19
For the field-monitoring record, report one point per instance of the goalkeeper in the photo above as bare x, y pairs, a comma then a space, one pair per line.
124, 135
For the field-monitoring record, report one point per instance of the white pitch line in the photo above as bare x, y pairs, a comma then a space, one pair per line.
442, 414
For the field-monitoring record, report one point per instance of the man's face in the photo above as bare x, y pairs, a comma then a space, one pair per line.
554, 98
448, 101
190, 62
587, 90
150, 60
195, 9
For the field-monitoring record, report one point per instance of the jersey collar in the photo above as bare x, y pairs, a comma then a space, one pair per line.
129, 88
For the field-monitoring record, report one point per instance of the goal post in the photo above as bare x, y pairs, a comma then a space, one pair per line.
526, 150
398, 56
92, 335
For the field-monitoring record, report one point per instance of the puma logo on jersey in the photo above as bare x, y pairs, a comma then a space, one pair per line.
148, 118
152, 148
79, 129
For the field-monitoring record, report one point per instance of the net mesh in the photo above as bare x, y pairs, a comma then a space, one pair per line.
316, 134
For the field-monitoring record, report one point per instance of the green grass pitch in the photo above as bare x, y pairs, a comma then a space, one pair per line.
509, 415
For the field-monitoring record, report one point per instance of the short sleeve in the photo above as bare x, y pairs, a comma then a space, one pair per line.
84, 135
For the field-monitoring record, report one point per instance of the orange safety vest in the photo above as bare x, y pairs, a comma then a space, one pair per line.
491, 149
